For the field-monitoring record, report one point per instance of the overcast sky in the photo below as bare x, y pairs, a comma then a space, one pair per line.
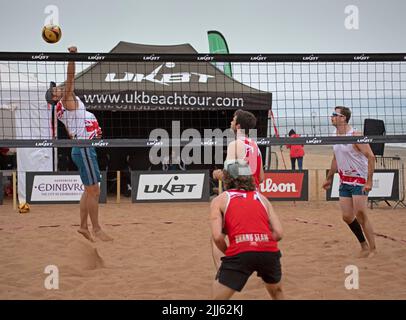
249, 26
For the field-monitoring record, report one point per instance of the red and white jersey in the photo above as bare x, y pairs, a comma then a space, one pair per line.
352, 165
253, 158
246, 223
80, 123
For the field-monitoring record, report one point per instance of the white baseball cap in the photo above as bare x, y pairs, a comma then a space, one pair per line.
237, 168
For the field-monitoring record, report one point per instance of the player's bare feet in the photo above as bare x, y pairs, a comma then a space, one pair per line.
364, 250
100, 234
372, 253
363, 254
86, 234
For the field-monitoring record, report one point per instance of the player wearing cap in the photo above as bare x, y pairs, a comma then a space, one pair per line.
253, 228
241, 148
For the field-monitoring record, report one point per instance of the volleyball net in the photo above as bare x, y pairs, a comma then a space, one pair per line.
131, 95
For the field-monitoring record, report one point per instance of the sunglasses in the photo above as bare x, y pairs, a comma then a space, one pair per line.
335, 114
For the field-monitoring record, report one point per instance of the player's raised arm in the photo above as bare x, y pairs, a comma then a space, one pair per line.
69, 99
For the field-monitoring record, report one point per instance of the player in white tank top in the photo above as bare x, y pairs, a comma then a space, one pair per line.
355, 164
80, 124
352, 164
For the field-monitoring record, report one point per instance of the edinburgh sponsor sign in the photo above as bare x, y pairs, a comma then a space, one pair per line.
285, 185
161, 186
58, 187
385, 186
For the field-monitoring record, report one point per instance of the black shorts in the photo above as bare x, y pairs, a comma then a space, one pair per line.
235, 271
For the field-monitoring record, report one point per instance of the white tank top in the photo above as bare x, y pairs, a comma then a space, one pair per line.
80, 123
352, 165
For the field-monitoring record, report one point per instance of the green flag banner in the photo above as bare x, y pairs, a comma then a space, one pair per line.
217, 44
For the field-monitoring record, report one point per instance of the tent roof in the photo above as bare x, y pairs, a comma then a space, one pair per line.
129, 47
94, 77
199, 79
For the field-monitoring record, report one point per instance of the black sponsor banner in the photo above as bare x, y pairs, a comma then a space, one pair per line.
143, 100
263, 141
385, 186
1, 188
164, 186
58, 187
36, 143
204, 58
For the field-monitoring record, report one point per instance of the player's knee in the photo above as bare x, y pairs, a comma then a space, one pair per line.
348, 218
361, 217
275, 289
96, 193
93, 191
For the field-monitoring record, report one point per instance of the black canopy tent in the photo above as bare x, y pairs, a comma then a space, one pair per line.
130, 99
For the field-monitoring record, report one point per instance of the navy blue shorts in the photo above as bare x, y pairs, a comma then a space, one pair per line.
348, 190
86, 161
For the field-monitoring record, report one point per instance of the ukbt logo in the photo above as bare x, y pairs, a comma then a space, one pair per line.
157, 77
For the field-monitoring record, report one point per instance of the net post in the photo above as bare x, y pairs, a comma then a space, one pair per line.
317, 185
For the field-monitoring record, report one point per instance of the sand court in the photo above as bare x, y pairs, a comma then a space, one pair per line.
162, 251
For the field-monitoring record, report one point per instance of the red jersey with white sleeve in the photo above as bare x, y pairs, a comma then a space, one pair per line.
352, 165
253, 158
80, 123
246, 223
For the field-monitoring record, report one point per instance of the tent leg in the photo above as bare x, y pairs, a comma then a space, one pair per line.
14, 190
118, 186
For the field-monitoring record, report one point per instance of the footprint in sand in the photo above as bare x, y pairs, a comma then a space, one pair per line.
82, 255
329, 244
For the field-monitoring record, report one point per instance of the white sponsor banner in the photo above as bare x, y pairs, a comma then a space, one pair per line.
170, 186
381, 187
57, 188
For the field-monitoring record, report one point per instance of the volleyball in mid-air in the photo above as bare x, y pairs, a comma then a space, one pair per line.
51, 33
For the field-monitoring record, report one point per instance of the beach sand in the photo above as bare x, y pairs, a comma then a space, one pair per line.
162, 251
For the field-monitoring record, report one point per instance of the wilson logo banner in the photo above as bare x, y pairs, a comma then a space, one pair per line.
285, 185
